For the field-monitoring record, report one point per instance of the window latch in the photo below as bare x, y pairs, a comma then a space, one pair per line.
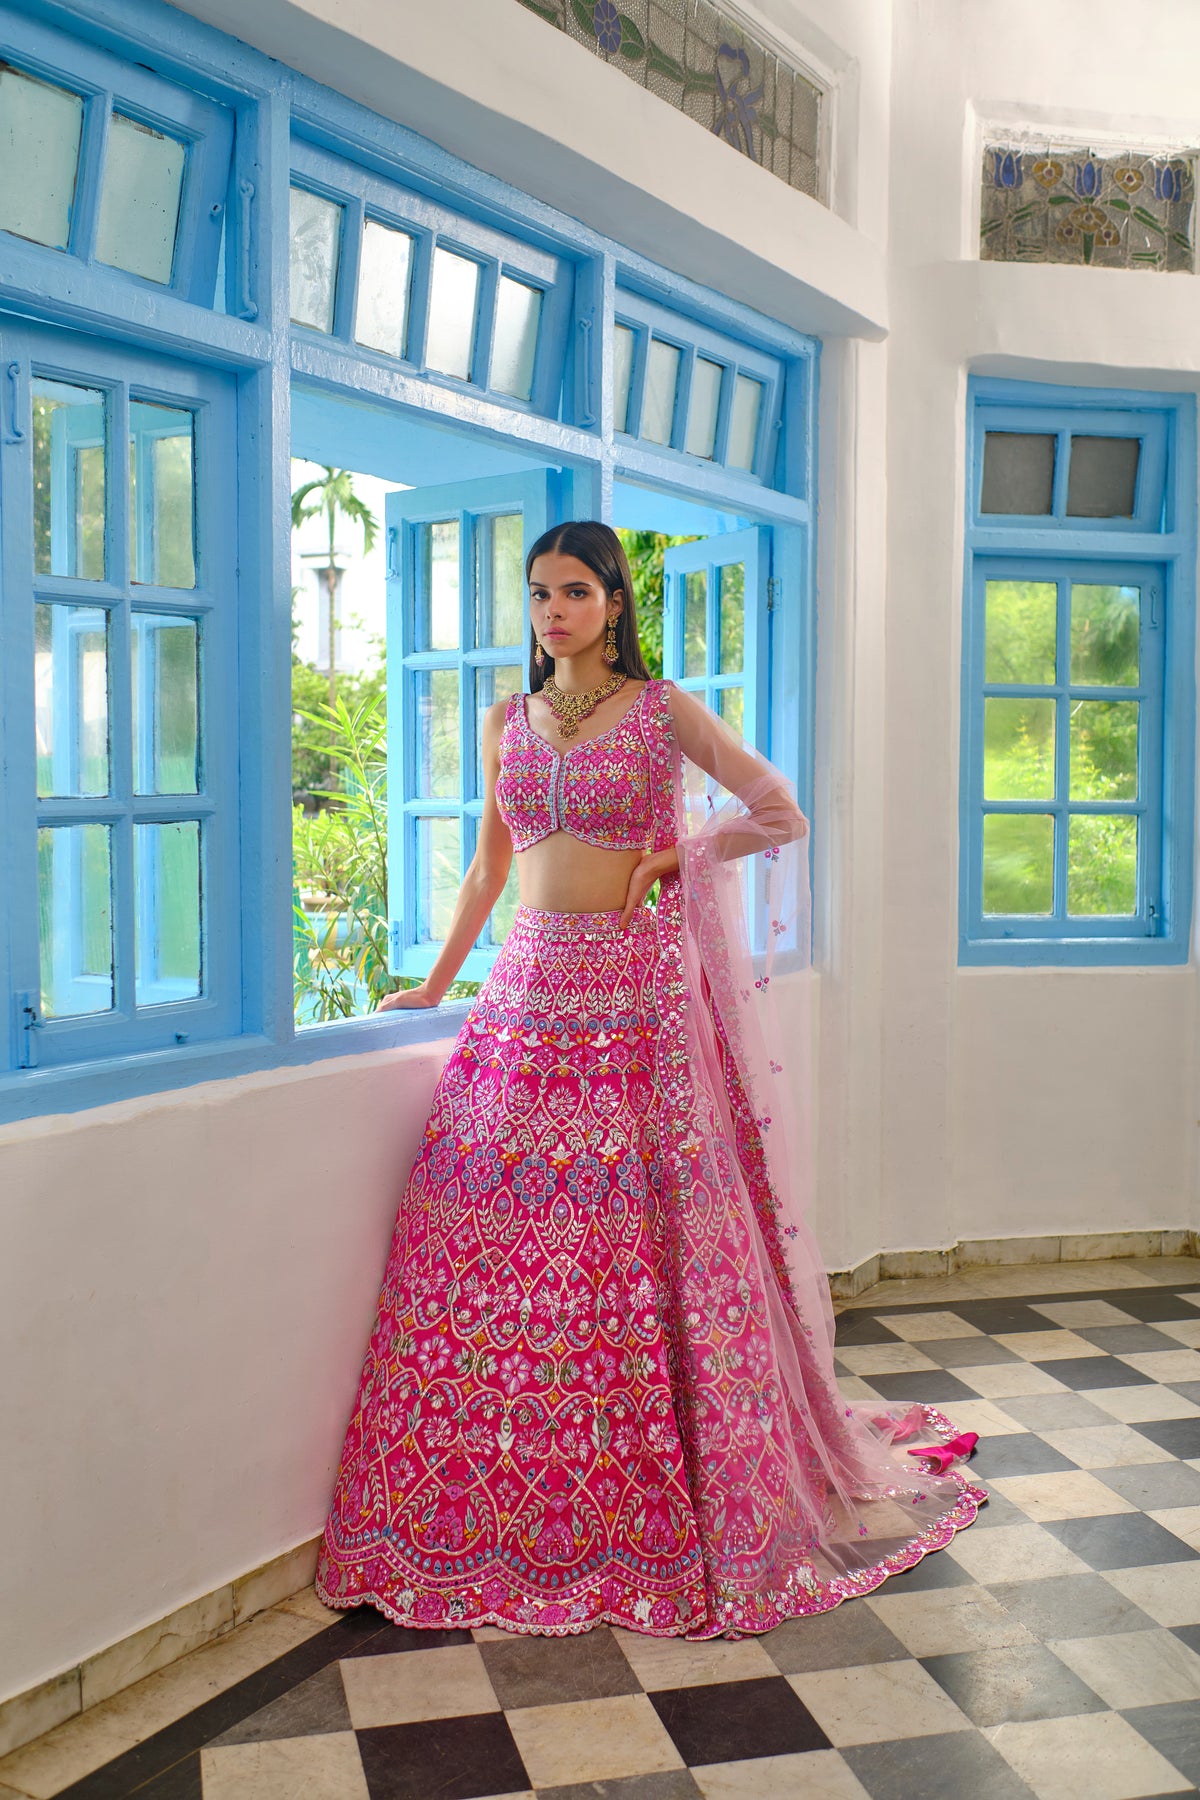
29, 1020
394, 933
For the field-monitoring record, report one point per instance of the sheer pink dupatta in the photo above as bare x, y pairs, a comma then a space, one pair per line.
842, 1503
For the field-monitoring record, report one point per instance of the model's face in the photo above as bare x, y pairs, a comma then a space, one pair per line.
569, 605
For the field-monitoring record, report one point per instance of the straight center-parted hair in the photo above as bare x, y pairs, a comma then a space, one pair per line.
599, 547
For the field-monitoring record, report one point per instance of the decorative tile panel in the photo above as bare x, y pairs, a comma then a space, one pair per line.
705, 63
1131, 210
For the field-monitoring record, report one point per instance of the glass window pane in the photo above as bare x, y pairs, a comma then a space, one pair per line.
492, 684
453, 301
166, 871
316, 239
438, 770
71, 699
139, 199
703, 406
1102, 864
505, 909
75, 919
439, 876
624, 342
732, 708
1104, 749
502, 584
40, 129
162, 533
1105, 635
743, 422
440, 596
662, 383
70, 676
514, 340
731, 613
1018, 863
165, 720
69, 439
384, 278
1018, 749
1021, 622
1018, 472
695, 623
1102, 477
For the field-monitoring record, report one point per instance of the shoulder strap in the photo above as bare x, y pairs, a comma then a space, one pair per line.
660, 738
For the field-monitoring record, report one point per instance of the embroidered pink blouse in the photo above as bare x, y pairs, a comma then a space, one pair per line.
598, 791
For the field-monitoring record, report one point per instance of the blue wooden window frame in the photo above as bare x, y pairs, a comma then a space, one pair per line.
106, 83
470, 504
648, 320
750, 547
364, 195
148, 53
1147, 425
1155, 549
131, 1024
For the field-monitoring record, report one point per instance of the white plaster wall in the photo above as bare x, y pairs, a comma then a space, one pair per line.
1071, 1101
186, 1289
1037, 1101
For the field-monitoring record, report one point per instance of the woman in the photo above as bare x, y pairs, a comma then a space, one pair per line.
600, 1383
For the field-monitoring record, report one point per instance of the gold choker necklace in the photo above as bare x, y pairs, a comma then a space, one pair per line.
568, 709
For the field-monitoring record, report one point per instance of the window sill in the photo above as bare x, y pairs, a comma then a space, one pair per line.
34, 1093
1072, 953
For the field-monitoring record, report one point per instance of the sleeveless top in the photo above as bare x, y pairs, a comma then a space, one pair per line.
600, 791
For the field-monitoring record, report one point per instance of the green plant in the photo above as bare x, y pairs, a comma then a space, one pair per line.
645, 550
315, 769
339, 902
1020, 747
339, 860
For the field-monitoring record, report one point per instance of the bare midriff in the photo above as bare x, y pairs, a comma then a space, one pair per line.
560, 873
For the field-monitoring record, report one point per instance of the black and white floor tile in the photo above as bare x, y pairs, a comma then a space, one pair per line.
1052, 1650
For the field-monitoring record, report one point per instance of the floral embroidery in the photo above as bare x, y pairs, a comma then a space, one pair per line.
598, 791
561, 1419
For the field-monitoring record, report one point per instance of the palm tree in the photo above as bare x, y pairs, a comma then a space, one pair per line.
333, 495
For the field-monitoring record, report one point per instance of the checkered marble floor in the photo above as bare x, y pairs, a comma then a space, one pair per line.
1052, 1650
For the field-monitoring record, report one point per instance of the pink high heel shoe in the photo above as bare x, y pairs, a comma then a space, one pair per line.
938, 1457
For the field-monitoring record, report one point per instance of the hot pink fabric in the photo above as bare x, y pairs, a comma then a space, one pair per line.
597, 791
600, 1381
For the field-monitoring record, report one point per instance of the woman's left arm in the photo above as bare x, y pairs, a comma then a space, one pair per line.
771, 815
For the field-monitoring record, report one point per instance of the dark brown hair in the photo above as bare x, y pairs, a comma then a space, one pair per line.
601, 549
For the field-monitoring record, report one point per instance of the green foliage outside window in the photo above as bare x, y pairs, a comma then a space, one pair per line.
1019, 748
340, 910
645, 550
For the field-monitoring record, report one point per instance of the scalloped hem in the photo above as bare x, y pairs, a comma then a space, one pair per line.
733, 1617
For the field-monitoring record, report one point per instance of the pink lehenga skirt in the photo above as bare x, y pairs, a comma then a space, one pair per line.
571, 1409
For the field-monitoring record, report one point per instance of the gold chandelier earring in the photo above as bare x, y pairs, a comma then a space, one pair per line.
539, 655
611, 653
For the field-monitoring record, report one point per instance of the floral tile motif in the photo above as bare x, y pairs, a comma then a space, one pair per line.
706, 64
1130, 211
